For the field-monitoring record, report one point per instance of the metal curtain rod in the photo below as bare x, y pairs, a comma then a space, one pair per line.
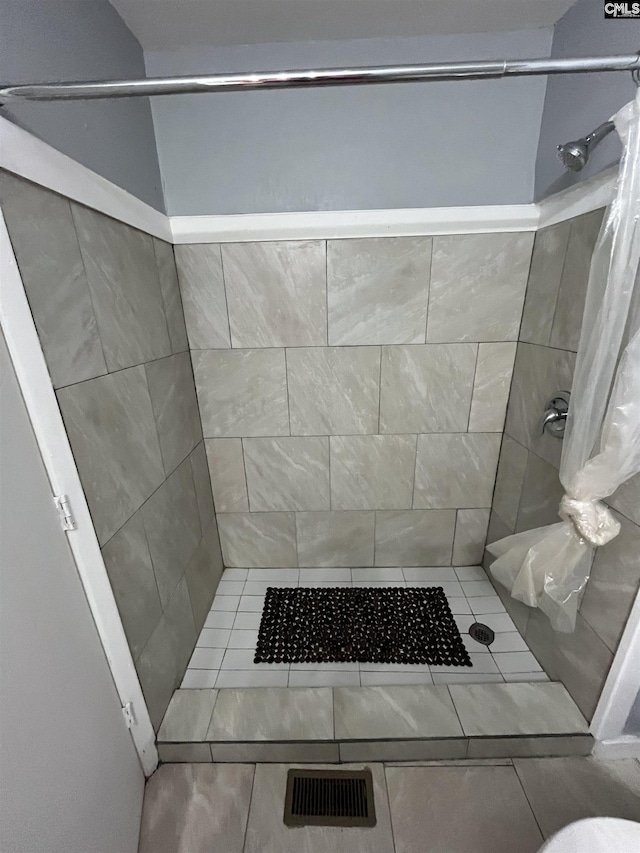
319, 77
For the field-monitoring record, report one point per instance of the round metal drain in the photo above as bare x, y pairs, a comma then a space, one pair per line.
482, 633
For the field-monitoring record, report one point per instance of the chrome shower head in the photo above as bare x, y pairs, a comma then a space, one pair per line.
574, 155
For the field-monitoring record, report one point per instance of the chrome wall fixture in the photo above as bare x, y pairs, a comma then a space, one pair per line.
311, 78
574, 155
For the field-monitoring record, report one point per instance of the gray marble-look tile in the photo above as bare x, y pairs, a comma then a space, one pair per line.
175, 408
378, 290
228, 478
626, 499
172, 525
258, 539
414, 537
188, 716
455, 470
196, 808
276, 753
128, 563
541, 495
567, 320
333, 390
203, 573
497, 530
525, 747
335, 538
242, 392
171, 298
539, 372
547, 262
125, 288
372, 471
110, 424
491, 387
273, 714
46, 248
426, 388
613, 584
287, 473
485, 273
202, 483
448, 749
471, 533
563, 790
266, 832
184, 753
483, 809
516, 709
416, 711
509, 479
163, 661
203, 295
276, 292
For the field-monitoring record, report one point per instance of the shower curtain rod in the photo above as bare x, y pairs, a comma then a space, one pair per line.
310, 78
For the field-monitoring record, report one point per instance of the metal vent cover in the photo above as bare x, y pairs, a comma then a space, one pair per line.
329, 798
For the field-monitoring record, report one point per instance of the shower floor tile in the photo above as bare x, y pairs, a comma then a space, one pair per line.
224, 652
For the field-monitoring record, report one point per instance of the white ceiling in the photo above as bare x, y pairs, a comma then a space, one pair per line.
161, 24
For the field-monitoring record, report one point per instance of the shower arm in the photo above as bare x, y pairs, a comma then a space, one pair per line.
596, 136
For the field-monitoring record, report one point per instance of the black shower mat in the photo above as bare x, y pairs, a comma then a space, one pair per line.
364, 624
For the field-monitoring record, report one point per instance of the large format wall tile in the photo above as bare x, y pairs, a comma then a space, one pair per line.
372, 472
613, 585
128, 563
491, 387
541, 495
539, 372
547, 262
175, 408
333, 390
228, 478
456, 470
258, 539
203, 574
509, 479
335, 538
627, 499
170, 290
478, 283
113, 435
276, 293
202, 483
426, 388
172, 524
287, 473
242, 393
378, 290
567, 321
123, 279
418, 537
471, 533
44, 241
203, 296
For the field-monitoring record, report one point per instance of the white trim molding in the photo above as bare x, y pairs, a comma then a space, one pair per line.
29, 157
40, 399
591, 194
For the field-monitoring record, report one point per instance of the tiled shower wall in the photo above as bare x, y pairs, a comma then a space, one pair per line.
528, 490
106, 303
353, 393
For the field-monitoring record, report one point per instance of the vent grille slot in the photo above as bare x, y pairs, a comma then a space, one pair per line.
329, 798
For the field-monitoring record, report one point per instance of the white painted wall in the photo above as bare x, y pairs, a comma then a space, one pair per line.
70, 779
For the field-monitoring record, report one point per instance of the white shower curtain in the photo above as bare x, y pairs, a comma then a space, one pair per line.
549, 567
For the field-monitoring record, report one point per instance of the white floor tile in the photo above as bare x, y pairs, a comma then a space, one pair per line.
286, 576
466, 678
235, 574
525, 676
227, 603
214, 638
480, 663
199, 679
439, 574
206, 658
450, 588
381, 679
323, 678
261, 587
459, 605
218, 619
240, 639
517, 662
243, 659
464, 623
380, 574
394, 667
375, 584
508, 642
486, 604
230, 587
309, 584
473, 646
349, 666
473, 589
251, 603
252, 678
324, 575
247, 621
470, 573
500, 622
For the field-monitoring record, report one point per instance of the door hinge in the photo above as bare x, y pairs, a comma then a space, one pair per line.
129, 715
65, 513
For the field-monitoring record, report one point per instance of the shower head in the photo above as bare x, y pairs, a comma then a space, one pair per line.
574, 155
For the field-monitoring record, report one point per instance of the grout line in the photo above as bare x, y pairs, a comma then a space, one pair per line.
380, 348
535, 817
226, 301
473, 386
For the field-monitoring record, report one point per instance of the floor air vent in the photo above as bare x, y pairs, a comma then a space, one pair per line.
329, 798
